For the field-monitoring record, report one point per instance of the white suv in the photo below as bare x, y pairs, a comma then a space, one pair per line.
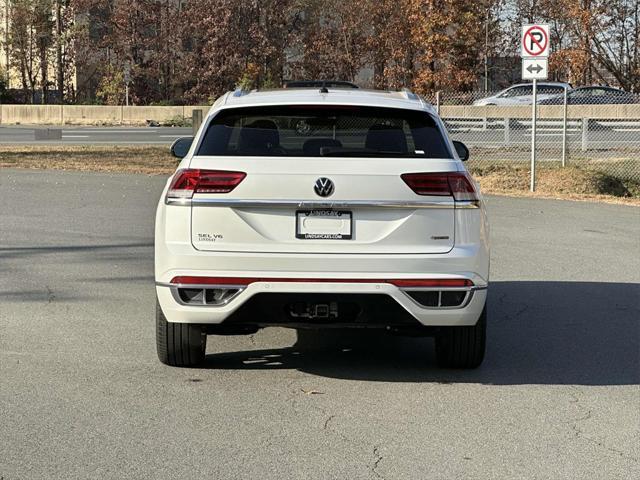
321, 208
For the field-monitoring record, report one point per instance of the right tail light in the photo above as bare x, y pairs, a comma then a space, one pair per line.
458, 185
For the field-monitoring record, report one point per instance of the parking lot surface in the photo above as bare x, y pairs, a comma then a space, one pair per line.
82, 394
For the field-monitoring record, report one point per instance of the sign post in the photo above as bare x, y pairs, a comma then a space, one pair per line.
534, 52
534, 123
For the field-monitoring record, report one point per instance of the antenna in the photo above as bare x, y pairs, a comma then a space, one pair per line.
323, 87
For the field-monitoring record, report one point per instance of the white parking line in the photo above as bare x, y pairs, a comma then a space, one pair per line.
75, 136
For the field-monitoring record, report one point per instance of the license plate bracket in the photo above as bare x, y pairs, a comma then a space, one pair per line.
324, 224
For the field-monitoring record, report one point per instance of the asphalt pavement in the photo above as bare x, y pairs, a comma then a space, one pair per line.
82, 394
77, 135
600, 138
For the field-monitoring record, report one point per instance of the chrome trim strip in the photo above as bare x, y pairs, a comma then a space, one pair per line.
184, 202
306, 204
468, 204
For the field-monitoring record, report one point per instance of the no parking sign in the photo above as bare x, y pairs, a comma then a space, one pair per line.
534, 46
535, 41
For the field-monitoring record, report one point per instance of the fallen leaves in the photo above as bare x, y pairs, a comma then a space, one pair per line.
311, 392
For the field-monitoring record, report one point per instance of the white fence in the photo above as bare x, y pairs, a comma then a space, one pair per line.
605, 136
601, 136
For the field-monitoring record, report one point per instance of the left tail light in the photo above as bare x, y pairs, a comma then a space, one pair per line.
190, 180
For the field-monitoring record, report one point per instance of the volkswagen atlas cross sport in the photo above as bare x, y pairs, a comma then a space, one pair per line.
317, 209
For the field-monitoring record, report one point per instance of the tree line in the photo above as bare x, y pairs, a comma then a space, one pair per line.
171, 51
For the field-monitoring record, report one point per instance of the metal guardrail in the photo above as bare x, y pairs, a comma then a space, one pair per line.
605, 136
91, 114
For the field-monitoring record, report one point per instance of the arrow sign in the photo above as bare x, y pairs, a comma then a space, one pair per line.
535, 69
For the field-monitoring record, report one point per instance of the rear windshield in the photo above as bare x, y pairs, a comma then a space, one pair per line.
324, 131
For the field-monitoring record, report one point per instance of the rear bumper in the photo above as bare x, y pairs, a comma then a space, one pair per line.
468, 314
468, 259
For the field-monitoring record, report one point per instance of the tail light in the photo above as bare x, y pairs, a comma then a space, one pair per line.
403, 283
445, 282
189, 181
453, 184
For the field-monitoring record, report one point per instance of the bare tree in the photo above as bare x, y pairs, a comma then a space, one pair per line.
22, 45
198, 49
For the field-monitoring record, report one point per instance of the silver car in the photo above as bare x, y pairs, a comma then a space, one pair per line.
522, 94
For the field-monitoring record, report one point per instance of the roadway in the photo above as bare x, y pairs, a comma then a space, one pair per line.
75, 135
598, 137
82, 394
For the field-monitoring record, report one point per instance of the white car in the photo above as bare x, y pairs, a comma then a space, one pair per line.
316, 209
522, 94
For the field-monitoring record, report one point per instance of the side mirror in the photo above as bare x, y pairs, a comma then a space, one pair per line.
181, 146
462, 150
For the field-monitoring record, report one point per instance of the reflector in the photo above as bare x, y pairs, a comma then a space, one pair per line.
404, 283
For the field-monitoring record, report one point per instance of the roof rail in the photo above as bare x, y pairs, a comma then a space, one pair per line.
240, 92
319, 84
409, 95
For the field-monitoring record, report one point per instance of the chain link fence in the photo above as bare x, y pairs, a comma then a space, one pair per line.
594, 127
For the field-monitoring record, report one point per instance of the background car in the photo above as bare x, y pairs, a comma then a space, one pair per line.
595, 95
522, 94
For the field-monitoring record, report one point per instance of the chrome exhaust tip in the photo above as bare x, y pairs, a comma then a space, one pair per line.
210, 296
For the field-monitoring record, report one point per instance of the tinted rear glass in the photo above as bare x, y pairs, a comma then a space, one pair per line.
316, 131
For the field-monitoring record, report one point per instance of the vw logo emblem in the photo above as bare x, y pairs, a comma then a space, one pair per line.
324, 187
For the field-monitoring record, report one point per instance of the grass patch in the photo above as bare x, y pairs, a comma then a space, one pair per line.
90, 158
177, 121
552, 182
556, 182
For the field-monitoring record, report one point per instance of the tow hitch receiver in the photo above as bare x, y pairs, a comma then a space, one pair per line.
314, 311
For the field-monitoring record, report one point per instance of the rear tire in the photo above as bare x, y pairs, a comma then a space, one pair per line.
179, 344
462, 347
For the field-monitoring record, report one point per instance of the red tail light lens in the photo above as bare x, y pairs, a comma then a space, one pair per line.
445, 282
403, 283
189, 181
454, 184
462, 187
